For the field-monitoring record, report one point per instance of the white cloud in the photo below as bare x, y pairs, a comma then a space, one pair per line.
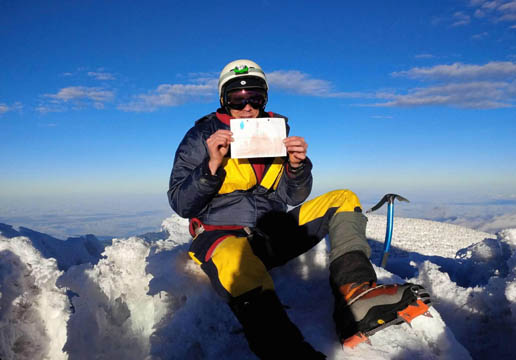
476, 2
508, 17
474, 95
168, 95
47, 108
78, 97
460, 19
493, 224
480, 36
459, 71
424, 56
202, 77
491, 5
501, 222
300, 83
381, 117
479, 14
486, 216
4, 108
71, 93
508, 7
204, 88
497, 10
101, 75
462, 85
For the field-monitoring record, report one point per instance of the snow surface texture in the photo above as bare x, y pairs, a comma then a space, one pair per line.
142, 298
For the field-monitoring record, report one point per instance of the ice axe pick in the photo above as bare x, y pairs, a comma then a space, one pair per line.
387, 198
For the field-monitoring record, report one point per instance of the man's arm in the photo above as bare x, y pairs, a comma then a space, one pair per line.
193, 184
296, 182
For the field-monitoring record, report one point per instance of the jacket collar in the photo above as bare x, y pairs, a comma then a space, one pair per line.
223, 116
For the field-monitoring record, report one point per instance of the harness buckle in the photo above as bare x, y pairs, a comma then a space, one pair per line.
196, 227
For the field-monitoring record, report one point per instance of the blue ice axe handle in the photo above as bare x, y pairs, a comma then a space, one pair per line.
390, 217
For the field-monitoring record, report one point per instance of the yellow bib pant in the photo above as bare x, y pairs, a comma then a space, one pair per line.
237, 264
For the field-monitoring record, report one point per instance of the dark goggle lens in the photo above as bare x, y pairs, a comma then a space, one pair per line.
239, 99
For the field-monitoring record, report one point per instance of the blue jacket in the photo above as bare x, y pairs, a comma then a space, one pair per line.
232, 196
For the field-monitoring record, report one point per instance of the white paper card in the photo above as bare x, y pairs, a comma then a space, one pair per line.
258, 137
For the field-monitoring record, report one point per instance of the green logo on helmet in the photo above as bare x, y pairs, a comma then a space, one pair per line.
241, 69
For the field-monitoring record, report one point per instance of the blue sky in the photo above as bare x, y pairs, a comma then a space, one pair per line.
415, 97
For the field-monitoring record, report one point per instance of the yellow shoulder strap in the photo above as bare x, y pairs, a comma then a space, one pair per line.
271, 178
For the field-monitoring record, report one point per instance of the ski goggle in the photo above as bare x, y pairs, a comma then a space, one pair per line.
238, 99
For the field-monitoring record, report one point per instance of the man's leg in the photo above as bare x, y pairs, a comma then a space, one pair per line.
352, 276
284, 236
242, 280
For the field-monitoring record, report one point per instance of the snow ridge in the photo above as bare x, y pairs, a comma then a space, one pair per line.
143, 298
33, 311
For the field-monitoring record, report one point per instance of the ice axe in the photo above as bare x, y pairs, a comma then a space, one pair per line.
390, 217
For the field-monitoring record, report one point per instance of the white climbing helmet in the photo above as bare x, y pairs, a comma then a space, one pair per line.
242, 68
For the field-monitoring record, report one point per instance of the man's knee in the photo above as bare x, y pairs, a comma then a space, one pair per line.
332, 202
238, 269
347, 200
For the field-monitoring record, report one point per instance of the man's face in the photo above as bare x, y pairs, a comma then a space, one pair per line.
246, 103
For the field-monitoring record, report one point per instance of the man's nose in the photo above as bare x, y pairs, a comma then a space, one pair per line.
247, 107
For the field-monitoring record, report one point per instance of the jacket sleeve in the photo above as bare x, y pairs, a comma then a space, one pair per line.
192, 186
294, 188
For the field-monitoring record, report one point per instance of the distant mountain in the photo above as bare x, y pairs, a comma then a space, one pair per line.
69, 252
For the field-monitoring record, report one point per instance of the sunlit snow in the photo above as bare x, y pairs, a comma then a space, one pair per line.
143, 298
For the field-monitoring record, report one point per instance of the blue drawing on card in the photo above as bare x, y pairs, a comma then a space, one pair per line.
242, 125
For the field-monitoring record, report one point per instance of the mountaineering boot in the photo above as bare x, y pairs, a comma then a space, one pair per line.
267, 328
365, 308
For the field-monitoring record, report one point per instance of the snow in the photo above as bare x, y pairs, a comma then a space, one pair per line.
143, 298
33, 311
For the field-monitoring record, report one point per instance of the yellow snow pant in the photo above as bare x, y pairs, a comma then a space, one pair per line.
237, 261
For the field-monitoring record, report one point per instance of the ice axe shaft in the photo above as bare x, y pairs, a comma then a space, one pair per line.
388, 198
388, 232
